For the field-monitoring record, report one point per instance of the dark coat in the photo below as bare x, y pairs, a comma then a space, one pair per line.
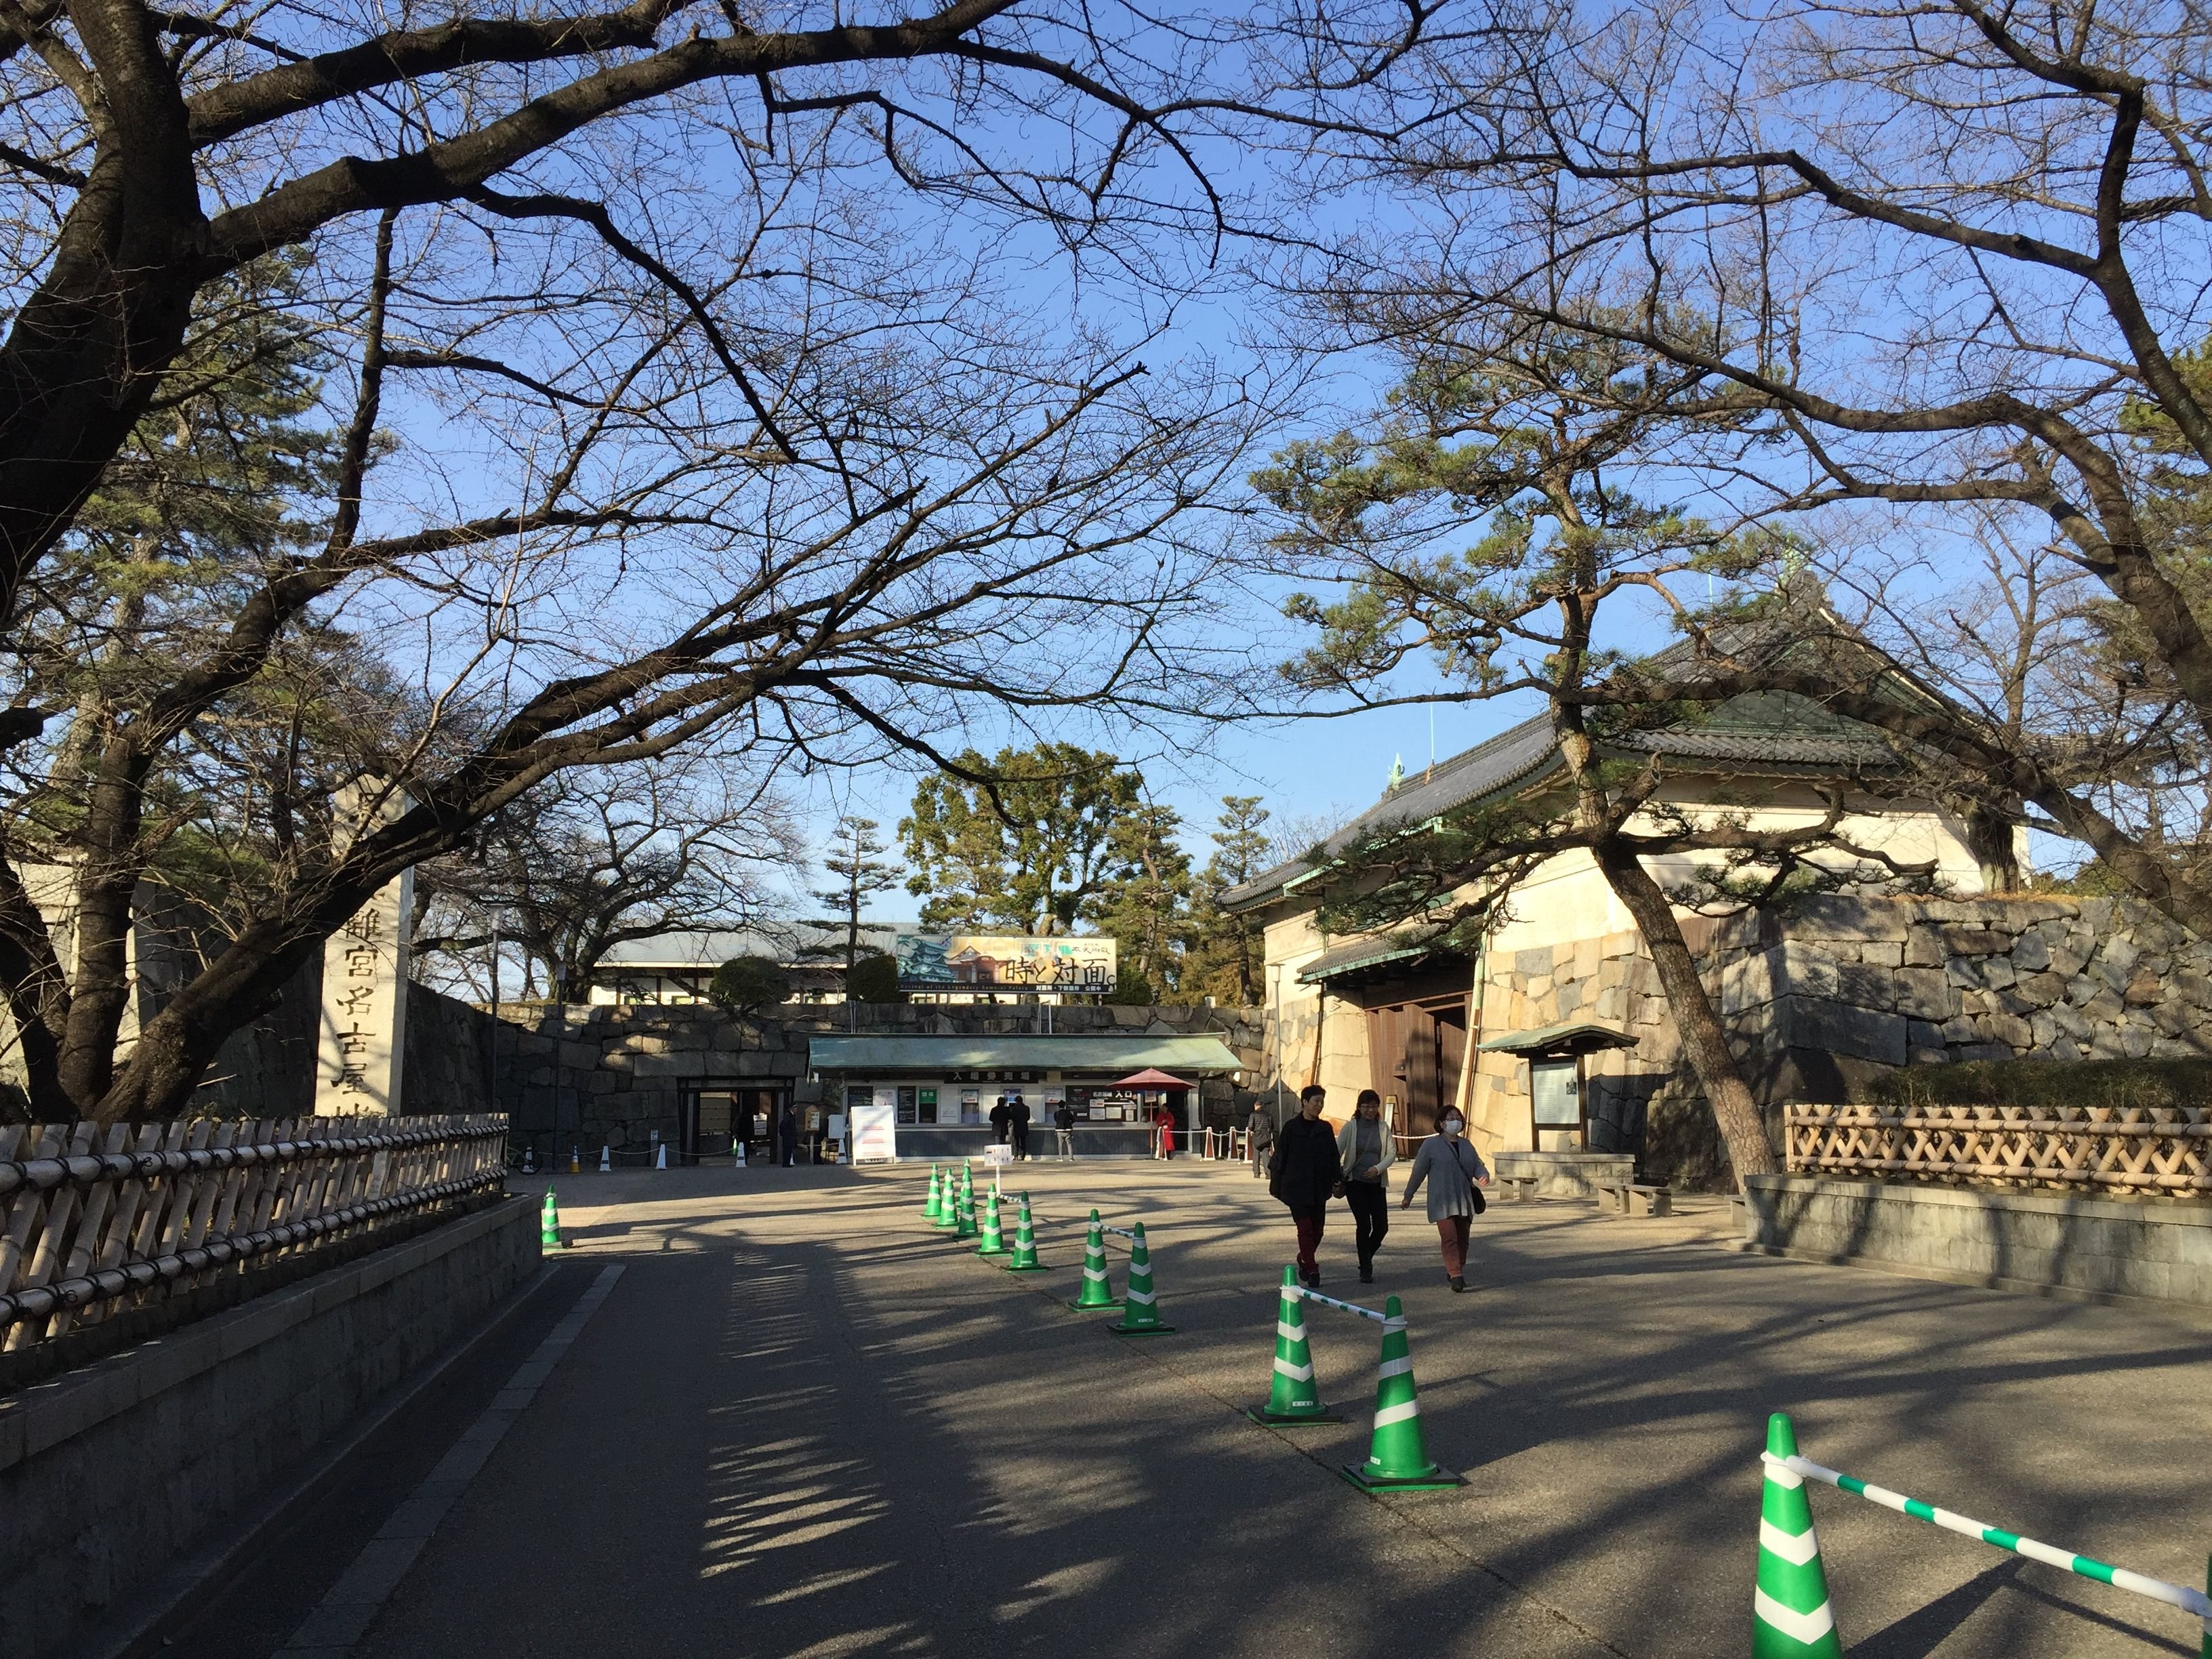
1307, 1169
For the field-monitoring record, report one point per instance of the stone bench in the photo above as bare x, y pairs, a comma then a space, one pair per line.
1523, 1188
1632, 1198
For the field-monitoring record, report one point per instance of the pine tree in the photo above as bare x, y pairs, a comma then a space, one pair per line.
860, 874
1226, 954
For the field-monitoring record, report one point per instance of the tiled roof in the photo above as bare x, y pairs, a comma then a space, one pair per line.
1764, 730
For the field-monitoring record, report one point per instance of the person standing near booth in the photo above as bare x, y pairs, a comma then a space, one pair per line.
1163, 1125
1002, 1118
1366, 1147
787, 1135
1017, 1121
1063, 1130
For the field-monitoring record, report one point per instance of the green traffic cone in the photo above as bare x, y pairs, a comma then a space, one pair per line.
1790, 1615
994, 1237
1025, 1256
1398, 1453
1097, 1288
948, 1204
966, 1221
934, 1208
549, 1227
1291, 1396
1141, 1317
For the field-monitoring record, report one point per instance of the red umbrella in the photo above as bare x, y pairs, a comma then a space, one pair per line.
1153, 1078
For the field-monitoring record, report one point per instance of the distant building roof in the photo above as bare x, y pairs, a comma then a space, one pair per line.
1765, 733
1573, 1037
926, 1056
789, 942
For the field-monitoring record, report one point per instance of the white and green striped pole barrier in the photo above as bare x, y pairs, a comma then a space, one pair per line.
1291, 1395
1780, 1460
1790, 1614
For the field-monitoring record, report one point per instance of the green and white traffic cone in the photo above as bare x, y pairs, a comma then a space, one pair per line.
1098, 1290
1790, 1615
1025, 1256
994, 1236
966, 1222
1291, 1396
549, 1227
1140, 1316
948, 1205
935, 1207
1398, 1454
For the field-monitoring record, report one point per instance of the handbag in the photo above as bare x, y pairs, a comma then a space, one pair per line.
1480, 1202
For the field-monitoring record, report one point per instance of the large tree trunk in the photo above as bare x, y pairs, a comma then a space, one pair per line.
1704, 1042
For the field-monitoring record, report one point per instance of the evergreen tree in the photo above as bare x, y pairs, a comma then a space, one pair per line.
1227, 951
860, 874
1148, 912
1035, 838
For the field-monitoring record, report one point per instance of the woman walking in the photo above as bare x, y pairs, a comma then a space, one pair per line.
1363, 1144
1451, 1166
1308, 1173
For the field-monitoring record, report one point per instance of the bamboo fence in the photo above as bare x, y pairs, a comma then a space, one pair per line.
2162, 1151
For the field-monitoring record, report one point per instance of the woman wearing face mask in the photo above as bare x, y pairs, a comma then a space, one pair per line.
1451, 1166
1364, 1143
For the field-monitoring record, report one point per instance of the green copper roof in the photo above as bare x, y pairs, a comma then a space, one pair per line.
927, 1055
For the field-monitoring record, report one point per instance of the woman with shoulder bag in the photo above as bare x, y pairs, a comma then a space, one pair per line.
1456, 1174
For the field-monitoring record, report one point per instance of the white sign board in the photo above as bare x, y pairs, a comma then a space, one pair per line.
998, 1152
875, 1127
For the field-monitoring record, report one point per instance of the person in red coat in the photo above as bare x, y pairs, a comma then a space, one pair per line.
1163, 1120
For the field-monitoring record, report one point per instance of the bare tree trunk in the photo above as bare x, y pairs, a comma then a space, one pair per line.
1704, 1042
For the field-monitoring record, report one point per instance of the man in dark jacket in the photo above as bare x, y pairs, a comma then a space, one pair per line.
786, 1136
1308, 1171
1001, 1116
1063, 1129
1018, 1118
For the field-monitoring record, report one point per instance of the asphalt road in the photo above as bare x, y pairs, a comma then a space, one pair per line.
803, 1423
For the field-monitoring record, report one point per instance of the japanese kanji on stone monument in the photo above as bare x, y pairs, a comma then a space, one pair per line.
361, 1057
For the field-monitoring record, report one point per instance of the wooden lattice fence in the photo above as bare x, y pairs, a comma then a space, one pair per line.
2162, 1151
94, 1220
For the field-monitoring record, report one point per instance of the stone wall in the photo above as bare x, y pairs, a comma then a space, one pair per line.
589, 1075
2009, 1240
110, 1472
1838, 987
1821, 998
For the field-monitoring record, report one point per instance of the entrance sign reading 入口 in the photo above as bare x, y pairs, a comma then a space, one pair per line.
1004, 962
875, 1126
362, 1057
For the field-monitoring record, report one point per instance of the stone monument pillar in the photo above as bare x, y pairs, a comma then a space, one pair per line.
362, 1057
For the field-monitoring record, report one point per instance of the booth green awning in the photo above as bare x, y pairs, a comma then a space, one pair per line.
1573, 1036
927, 1055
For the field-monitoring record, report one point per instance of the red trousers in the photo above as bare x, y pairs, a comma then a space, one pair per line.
1451, 1232
1310, 1224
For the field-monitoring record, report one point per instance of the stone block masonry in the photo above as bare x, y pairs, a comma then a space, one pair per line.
2093, 1248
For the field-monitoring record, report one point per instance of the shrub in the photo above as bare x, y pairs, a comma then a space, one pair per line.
1131, 988
745, 985
874, 979
2049, 1083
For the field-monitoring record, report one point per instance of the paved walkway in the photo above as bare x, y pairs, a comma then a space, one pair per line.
802, 1423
